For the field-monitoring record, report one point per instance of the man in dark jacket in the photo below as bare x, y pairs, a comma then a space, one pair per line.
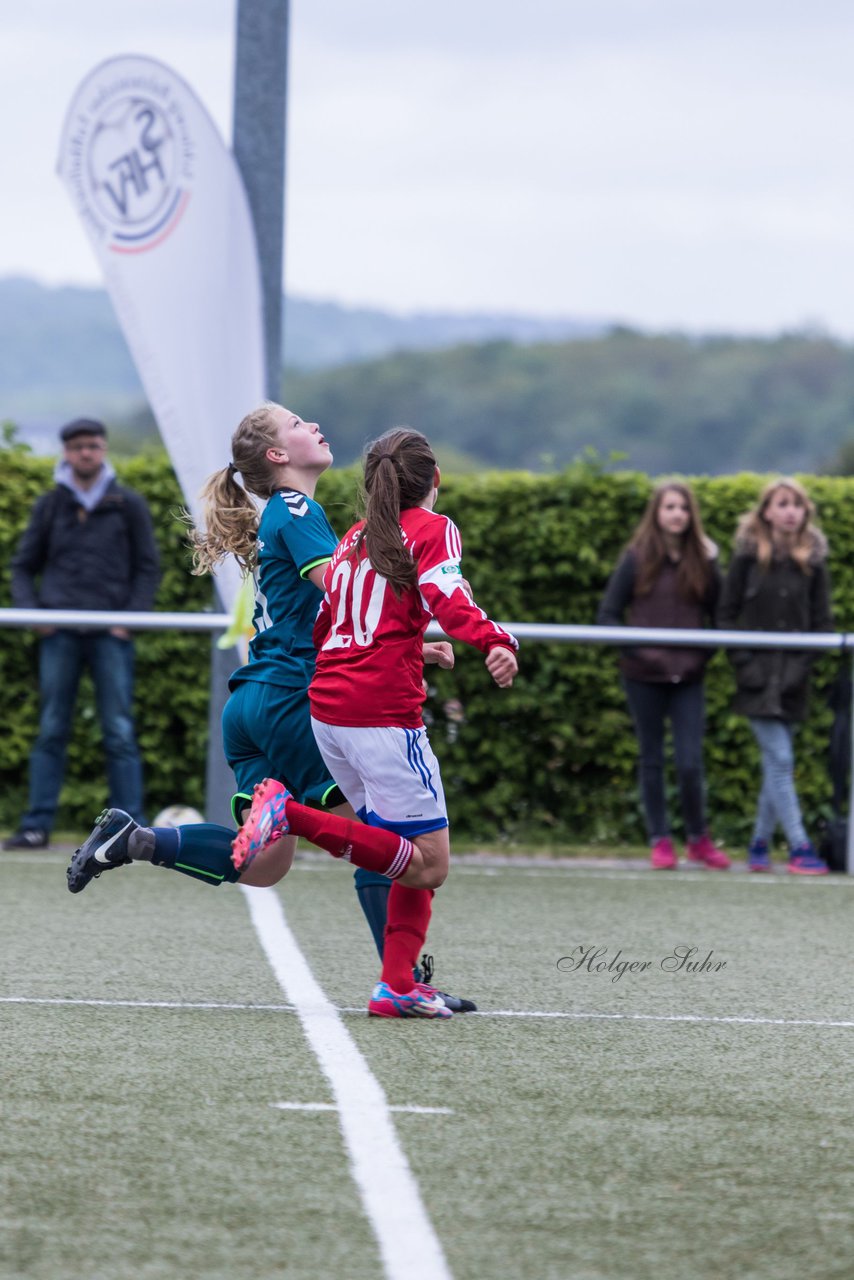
90, 544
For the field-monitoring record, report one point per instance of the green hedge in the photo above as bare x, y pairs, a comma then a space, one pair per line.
552, 759
172, 670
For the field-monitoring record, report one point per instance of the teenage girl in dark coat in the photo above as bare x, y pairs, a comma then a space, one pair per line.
777, 581
668, 577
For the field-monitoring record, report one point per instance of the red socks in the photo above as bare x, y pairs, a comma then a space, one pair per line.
409, 912
373, 848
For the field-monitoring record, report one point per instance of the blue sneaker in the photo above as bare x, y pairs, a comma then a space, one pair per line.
758, 856
804, 861
105, 848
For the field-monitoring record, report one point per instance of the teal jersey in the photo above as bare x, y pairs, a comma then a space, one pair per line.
294, 536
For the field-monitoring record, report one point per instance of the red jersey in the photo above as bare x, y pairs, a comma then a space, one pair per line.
369, 665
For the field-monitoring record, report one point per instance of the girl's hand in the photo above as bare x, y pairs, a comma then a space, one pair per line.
440, 653
502, 666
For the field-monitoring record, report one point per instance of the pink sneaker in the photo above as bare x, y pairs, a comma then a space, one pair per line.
804, 861
421, 1002
663, 856
265, 823
705, 850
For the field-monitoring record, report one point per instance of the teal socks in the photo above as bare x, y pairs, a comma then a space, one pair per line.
201, 850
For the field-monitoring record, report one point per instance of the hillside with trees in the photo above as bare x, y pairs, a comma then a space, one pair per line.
59, 346
663, 403
490, 391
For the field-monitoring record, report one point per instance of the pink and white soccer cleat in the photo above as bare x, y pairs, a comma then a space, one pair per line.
417, 1003
265, 823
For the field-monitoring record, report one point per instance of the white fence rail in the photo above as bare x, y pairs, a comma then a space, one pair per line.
541, 632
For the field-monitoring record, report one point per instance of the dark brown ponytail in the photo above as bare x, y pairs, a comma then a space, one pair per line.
399, 470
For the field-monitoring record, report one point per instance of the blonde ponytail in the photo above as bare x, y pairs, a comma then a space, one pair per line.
230, 525
229, 515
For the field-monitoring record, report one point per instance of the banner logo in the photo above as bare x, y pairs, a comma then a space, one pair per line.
163, 205
134, 165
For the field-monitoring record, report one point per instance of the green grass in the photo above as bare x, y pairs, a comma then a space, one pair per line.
612, 1144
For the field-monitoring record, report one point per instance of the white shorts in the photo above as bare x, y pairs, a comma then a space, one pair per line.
389, 775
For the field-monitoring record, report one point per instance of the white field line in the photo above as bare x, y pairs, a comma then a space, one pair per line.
693, 876
151, 1004
472, 864
498, 864
330, 1106
408, 1244
733, 1019
667, 1017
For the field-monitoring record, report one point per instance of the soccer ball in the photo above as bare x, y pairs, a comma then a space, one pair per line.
177, 815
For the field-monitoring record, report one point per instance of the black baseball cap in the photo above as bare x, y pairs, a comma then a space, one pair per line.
82, 427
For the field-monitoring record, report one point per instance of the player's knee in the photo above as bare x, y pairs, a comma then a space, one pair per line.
427, 873
259, 878
271, 866
423, 878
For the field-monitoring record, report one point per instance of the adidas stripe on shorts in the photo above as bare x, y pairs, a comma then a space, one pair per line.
389, 775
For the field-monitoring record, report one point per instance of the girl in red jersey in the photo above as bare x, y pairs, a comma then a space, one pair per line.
390, 575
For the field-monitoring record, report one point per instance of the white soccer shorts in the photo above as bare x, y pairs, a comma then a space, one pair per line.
390, 776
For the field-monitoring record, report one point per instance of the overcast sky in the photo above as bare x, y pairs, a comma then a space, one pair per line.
665, 163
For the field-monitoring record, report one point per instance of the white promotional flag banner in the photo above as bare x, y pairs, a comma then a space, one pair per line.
162, 200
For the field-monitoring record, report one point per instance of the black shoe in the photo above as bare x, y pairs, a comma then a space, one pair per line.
457, 1004
106, 847
28, 838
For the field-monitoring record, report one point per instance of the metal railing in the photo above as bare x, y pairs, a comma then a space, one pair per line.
542, 632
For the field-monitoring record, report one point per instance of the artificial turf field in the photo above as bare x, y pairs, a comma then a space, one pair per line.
664, 1124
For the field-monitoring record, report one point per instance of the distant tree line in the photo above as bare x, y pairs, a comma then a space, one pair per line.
536, 398
666, 403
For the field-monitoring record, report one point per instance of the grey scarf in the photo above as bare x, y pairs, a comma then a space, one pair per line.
88, 498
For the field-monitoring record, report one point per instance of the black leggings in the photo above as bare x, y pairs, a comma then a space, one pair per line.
684, 705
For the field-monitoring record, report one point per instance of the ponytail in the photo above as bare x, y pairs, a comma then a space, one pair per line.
399, 469
230, 525
382, 529
229, 515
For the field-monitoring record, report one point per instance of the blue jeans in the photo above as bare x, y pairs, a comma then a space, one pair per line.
778, 801
62, 657
652, 704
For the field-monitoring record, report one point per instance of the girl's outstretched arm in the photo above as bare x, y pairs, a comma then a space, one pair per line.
447, 595
438, 653
502, 666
